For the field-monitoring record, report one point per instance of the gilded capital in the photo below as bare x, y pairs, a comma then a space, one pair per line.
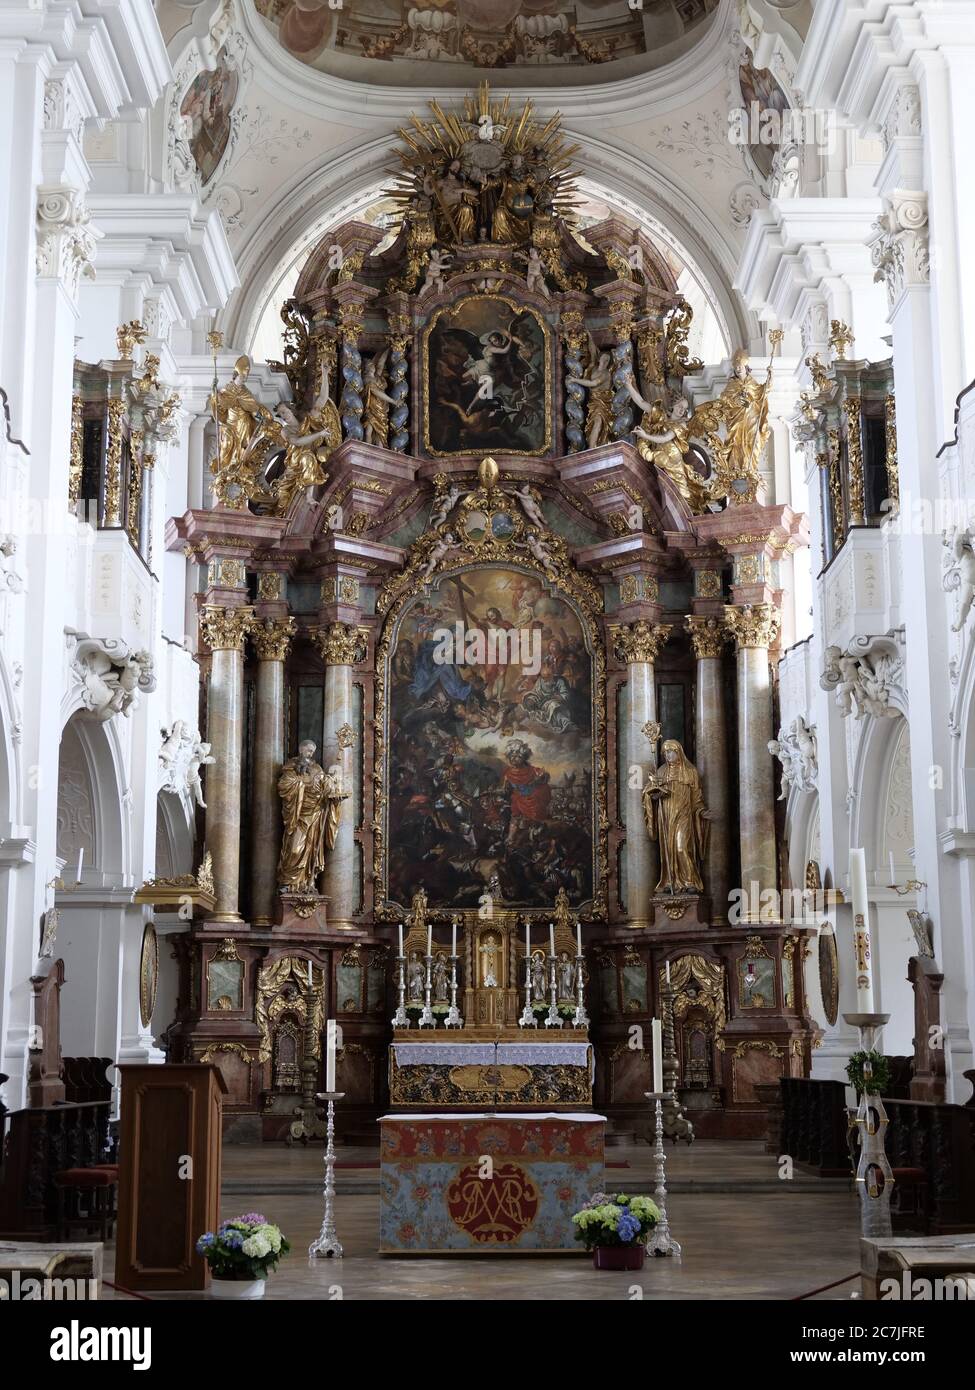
640, 642
224, 629
340, 644
753, 624
708, 636
271, 638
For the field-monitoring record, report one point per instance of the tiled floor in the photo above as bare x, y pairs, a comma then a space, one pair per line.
746, 1233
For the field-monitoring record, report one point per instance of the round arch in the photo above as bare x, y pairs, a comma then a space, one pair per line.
175, 834
882, 782
92, 798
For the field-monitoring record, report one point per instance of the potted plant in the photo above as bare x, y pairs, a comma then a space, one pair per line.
616, 1228
880, 1072
241, 1254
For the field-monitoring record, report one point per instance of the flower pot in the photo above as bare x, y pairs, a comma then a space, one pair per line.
236, 1288
619, 1256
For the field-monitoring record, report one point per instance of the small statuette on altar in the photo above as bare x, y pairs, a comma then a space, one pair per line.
416, 978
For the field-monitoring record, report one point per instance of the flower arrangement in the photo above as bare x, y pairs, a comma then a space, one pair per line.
615, 1221
243, 1247
880, 1069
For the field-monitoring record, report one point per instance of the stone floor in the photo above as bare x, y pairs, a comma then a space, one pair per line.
746, 1232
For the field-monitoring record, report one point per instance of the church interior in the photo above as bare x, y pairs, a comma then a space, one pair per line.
492, 488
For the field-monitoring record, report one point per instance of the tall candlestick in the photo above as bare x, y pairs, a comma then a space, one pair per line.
528, 940
861, 931
401, 938
578, 939
658, 1056
551, 938
330, 1054
430, 941
453, 938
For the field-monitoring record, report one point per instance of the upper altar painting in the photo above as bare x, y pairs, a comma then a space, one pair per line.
375, 40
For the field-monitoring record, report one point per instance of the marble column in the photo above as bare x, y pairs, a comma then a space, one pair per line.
223, 630
271, 639
753, 627
639, 645
708, 638
341, 646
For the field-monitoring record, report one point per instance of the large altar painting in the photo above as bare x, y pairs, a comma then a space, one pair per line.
486, 379
490, 750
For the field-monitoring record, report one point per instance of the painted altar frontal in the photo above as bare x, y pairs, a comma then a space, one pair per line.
486, 1184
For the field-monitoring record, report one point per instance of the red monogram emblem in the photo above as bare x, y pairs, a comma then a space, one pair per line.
494, 1210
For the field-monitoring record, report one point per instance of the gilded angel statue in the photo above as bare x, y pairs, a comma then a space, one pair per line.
670, 441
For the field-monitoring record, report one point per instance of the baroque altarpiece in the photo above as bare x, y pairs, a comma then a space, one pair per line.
486, 620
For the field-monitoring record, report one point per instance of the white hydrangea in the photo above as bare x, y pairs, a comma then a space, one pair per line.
256, 1246
273, 1237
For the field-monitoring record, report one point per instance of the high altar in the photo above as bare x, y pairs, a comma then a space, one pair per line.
486, 612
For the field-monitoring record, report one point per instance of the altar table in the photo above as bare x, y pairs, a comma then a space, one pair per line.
492, 1074
486, 1183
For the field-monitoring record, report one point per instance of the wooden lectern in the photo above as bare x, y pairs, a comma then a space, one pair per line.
169, 1173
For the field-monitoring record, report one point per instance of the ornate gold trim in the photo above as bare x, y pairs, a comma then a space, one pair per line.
77, 450
224, 629
271, 638
890, 434
113, 463
854, 451
752, 625
708, 636
148, 987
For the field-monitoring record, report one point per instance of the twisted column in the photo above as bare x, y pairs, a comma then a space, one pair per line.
639, 646
351, 403
271, 639
708, 637
341, 646
398, 386
754, 627
223, 631
575, 395
622, 370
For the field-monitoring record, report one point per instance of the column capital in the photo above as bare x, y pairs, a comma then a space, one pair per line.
752, 625
899, 249
708, 636
640, 642
340, 644
224, 629
271, 638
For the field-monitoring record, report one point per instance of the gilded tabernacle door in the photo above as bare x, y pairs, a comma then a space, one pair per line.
490, 743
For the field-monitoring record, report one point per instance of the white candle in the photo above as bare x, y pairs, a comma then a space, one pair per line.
891, 858
658, 1056
81, 860
309, 975
861, 931
578, 939
401, 938
330, 1055
430, 941
551, 938
528, 939
667, 968
453, 939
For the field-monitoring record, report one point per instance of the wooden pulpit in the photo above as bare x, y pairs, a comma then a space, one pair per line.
169, 1173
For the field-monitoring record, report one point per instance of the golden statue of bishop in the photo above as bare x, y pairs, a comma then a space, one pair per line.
243, 426
742, 411
673, 808
311, 801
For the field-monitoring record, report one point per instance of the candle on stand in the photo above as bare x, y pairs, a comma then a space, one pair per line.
429, 940
81, 860
861, 931
551, 938
330, 1055
890, 856
528, 939
667, 968
401, 938
658, 1056
309, 975
453, 938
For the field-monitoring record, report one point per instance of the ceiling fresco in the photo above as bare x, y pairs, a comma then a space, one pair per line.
376, 40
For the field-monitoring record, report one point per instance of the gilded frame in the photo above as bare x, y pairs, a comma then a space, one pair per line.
561, 580
451, 311
148, 974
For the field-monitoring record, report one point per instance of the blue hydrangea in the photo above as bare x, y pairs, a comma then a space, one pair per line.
233, 1239
628, 1227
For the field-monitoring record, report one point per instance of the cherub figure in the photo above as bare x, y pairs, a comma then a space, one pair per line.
531, 504
436, 553
534, 269
438, 263
961, 574
541, 552
445, 501
783, 752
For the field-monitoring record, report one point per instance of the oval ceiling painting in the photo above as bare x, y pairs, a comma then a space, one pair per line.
368, 39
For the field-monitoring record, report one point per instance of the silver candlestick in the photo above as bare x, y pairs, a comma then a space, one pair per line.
328, 1241
401, 1018
453, 1019
871, 1118
427, 1019
580, 1019
661, 1242
553, 1018
528, 1019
